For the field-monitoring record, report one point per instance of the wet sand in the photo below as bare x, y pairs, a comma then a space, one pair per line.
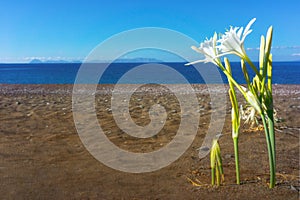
42, 156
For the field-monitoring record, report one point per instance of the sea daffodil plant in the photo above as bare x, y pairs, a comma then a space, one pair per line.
217, 174
258, 93
235, 121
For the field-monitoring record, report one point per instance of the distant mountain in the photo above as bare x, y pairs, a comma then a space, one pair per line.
137, 60
54, 61
36, 61
120, 60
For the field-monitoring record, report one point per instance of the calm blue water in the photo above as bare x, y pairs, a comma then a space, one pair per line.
283, 73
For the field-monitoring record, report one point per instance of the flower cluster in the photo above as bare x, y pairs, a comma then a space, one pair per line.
232, 42
258, 93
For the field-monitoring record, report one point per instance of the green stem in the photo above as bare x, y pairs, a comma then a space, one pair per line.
218, 176
212, 176
247, 59
236, 156
229, 77
272, 135
270, 153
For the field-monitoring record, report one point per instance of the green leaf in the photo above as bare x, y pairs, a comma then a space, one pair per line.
245, 72
269, 73
261, 54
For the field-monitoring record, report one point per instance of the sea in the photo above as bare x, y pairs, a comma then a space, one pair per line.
135, 73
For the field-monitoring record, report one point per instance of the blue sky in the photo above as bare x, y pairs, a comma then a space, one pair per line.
69, 30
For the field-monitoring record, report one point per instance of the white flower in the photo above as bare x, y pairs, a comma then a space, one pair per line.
252, 100
232, 42
209, 50
250, 115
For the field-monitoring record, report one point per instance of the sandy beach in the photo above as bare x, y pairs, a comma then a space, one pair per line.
42, 156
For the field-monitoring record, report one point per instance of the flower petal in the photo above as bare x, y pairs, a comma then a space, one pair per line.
194, 62
247, 30
249, 25
240, 31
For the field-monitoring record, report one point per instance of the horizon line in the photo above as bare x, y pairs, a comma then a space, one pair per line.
106, 62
